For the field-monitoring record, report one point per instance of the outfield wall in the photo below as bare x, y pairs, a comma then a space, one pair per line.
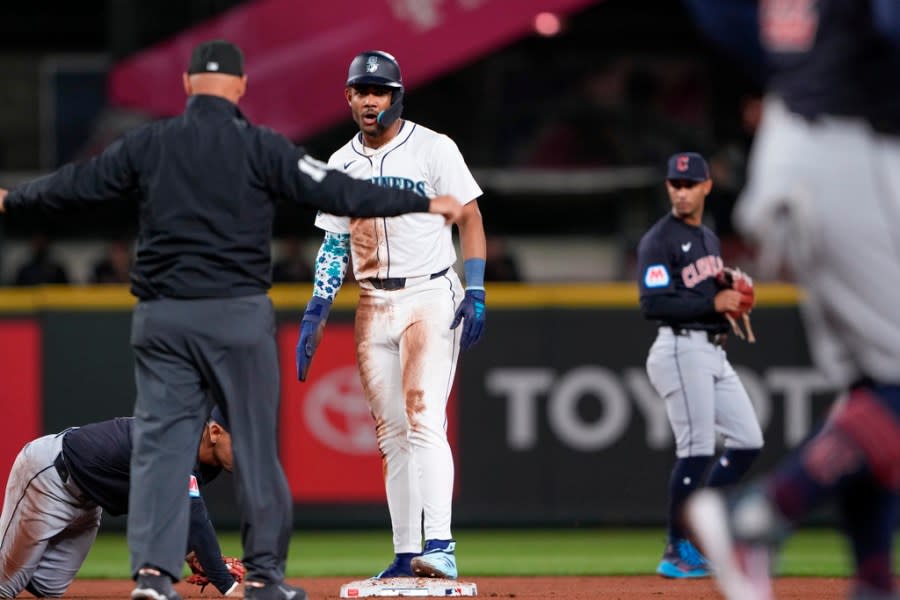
552, 418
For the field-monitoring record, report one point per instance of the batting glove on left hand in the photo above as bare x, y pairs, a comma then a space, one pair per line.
311, 329
472, 312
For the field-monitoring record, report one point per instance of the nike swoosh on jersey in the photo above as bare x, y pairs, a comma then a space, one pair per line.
684, 247
347, 164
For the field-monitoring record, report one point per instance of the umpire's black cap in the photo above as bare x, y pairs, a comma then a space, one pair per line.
217, 56
219, 417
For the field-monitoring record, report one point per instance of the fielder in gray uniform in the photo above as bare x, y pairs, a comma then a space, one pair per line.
679, 261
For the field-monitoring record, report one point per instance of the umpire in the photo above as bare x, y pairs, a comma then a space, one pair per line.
207, 182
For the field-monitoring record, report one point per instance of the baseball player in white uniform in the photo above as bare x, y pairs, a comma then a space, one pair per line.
411, 304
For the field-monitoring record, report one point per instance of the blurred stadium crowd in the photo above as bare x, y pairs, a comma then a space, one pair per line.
624, 84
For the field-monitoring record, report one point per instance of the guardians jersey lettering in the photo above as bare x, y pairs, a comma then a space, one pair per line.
701, 270
681, 262
788, 25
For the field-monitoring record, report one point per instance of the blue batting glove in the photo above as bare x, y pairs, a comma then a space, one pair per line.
471, 312
312, 326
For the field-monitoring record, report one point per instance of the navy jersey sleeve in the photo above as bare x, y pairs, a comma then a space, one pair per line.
202, 540
109, 175
660, 297
654, 270
298, 176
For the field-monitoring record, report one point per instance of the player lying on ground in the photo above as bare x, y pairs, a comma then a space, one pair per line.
60, 484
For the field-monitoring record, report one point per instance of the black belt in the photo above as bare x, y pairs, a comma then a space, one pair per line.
717, 339
60, 464
398, 283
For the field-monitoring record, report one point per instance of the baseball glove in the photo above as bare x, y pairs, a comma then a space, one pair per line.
198, 575
739, 281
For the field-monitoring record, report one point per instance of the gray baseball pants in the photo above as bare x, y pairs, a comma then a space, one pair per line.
187, 351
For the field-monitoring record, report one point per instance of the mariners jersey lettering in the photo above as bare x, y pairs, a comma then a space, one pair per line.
681, 260
422, 161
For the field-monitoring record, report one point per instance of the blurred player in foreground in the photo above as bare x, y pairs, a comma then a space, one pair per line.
823, 200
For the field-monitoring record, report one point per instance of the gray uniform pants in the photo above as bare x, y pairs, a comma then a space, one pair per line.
47, 527
704, 396
185, 352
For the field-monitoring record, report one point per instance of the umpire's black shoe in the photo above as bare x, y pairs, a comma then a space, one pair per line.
272, 591
153, 585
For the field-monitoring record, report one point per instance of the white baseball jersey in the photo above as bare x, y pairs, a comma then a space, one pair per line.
422, 161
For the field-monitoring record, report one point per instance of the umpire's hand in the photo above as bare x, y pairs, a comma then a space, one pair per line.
3, 193
448, 206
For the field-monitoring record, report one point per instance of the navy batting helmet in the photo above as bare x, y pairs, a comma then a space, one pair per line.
375, 67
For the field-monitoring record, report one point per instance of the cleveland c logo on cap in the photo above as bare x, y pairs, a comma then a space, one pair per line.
682, 163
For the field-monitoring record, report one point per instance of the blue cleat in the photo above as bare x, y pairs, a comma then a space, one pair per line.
400, 567
438, 560
682, 560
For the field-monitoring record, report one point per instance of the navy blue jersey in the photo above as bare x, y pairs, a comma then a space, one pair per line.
98, 457
828, 58
824, 57
677, 268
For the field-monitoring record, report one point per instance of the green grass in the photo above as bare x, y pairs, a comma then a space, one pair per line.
498, 552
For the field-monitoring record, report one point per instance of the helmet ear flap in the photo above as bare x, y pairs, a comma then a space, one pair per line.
393, 112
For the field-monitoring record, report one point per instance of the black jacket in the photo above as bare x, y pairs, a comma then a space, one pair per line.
207, 182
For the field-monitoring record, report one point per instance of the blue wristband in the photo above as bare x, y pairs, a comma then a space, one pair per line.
474, 272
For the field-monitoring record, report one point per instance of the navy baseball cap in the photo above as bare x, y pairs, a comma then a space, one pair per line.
217, 56
219, 417
687, 165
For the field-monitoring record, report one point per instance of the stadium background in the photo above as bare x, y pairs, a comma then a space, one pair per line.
553, 419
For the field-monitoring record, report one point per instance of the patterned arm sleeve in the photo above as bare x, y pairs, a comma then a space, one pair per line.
331, 265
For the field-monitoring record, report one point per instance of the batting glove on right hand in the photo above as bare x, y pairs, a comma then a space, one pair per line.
312, 326
472, 312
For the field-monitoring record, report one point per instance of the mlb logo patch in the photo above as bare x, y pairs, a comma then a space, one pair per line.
656, 276
193, 488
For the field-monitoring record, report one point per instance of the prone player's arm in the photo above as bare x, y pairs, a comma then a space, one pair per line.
203, 542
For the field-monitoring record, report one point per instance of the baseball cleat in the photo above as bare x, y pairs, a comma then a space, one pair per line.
741, 562
682, 560
272, 591
438, 560
153, 585
401, 566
